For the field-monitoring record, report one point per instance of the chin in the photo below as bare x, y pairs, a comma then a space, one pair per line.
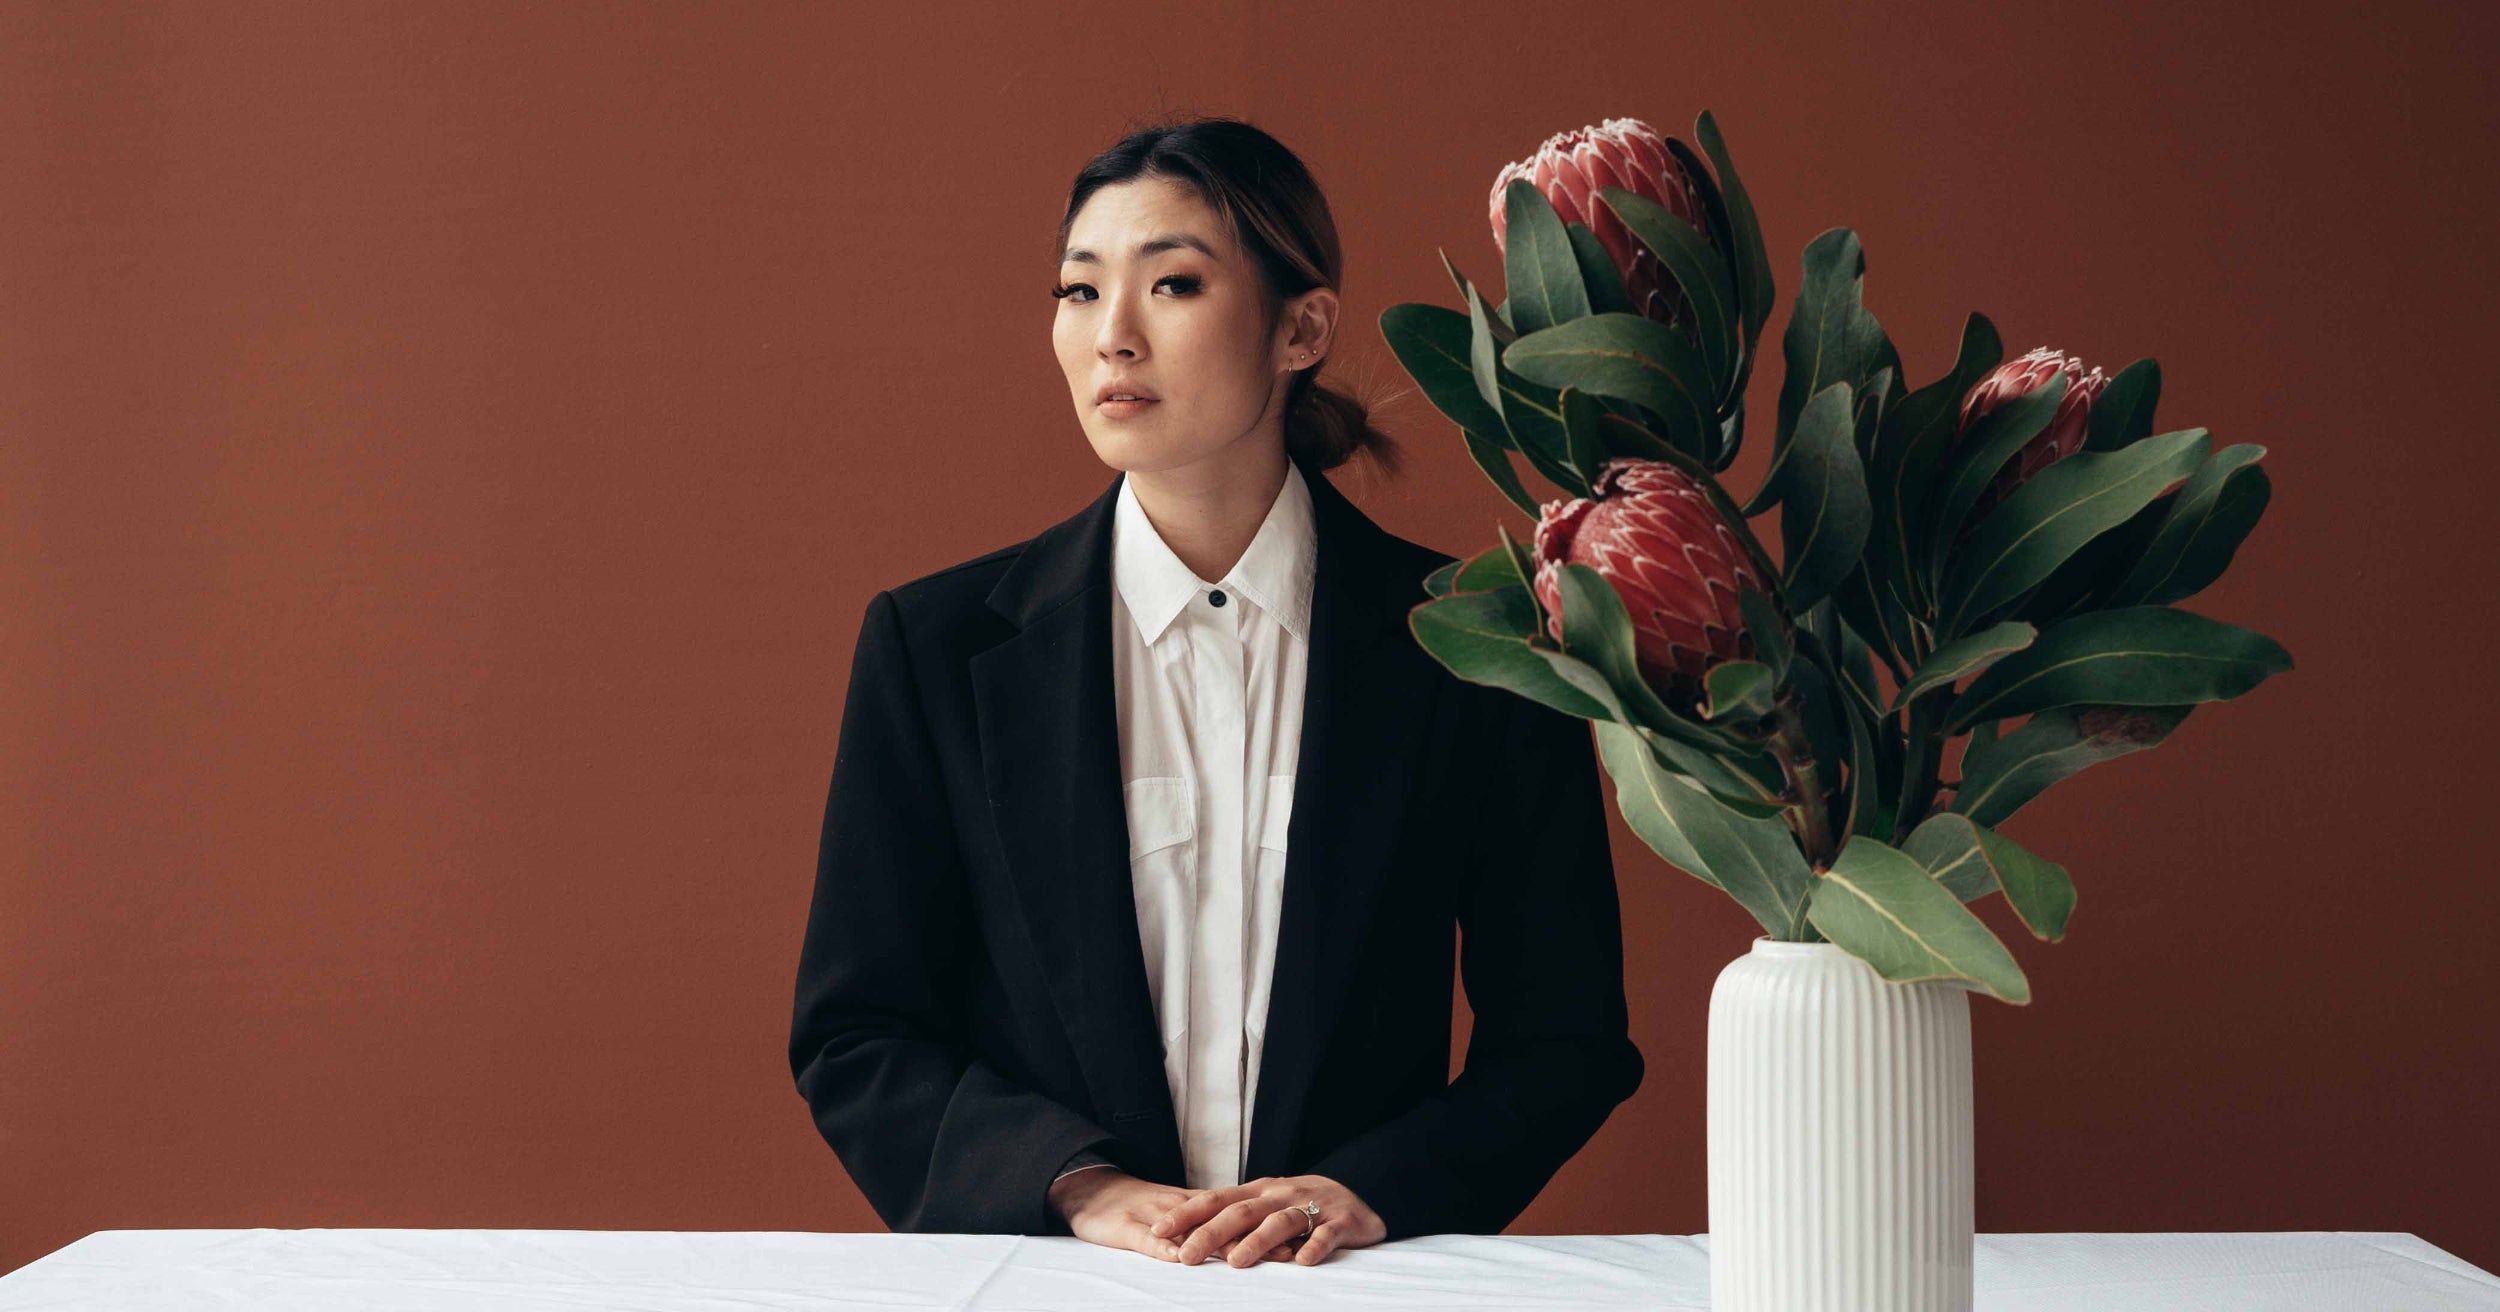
1129, 450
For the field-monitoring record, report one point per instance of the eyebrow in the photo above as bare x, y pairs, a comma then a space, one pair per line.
1170, 241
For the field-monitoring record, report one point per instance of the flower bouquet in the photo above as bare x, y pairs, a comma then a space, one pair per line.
1994, 557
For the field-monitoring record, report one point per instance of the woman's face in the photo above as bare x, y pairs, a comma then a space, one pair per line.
1158, 300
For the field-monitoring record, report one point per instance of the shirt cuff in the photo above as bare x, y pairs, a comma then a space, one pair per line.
1085, 1160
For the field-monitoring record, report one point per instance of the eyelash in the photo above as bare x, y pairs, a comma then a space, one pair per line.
1062, 290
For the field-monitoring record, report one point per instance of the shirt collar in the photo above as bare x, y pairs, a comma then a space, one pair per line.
1274, 572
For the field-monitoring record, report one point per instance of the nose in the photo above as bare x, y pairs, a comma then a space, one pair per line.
1119, 333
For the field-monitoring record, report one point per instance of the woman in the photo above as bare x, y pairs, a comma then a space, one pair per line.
1134, 909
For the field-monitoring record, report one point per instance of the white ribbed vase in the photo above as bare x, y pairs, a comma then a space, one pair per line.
1840, 1137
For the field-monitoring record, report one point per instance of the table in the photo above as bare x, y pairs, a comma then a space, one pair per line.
704, 1271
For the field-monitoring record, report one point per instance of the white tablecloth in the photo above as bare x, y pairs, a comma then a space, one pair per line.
682, 1271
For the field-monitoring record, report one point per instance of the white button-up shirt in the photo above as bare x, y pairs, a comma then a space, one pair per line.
1209, 681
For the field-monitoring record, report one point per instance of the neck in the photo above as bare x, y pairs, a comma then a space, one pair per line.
1207, 512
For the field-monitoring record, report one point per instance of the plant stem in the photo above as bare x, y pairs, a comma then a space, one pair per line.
1810, 817
1924, 746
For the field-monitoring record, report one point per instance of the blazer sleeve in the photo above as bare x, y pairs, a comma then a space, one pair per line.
935, 1137
1541, 956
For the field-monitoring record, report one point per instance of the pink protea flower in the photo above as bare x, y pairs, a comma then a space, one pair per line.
2065, 433
1654, 535
1620, 152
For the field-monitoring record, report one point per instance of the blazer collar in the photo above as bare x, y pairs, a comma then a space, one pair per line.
1049, 731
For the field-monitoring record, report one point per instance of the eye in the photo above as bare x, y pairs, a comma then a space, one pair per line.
1182, 282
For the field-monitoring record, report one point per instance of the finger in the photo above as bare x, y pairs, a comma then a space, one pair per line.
1190, 1212
1231, 1223
1152, 1246
1271, 1232
1316, 1248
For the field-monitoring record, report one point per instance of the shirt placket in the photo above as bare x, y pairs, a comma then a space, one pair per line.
1221, 918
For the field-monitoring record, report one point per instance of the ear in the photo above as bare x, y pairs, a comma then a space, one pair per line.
1307, 330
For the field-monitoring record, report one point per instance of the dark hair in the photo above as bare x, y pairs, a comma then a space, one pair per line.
1273, 210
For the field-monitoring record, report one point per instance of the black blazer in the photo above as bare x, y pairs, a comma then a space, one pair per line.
972, 1006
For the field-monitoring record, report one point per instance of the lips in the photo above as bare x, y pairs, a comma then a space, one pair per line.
1110, 390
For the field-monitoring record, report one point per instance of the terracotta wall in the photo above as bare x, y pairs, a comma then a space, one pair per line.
445, 450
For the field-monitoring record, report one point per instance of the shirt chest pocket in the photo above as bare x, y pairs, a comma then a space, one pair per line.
1163, 869
1267, 905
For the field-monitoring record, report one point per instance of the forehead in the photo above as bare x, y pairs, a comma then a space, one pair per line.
1141, 218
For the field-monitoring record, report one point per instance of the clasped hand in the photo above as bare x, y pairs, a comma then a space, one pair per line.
1257, 1220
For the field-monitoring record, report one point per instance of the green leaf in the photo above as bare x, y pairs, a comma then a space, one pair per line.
1745, 778
1597, 629
1585, 677
1884, 908
1583, 433
1494, 460
1627, 357
1539, 269
1754, 859
1977, 455
1973, 860
2052, 514
1948, 664
1951, 855
1831, 339
1770, 632
1531, 416
1520, 568
1485, 571
1432, 342
1823, 527
1870, 401
1873, 610
2135, 656
1750, 257
1598, 274
1434, 345
2093, 570
2207, 522
1500, 320
1639, 781
1737, 690
1626, 437
1822, 708
1999, 775
1866, 796
1698, 271
1482, 637
1731, 435
1728, 784
1515, 567
1909, 447
1856, 668
2123, 412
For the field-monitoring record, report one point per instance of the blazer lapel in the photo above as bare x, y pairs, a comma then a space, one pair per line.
1050, 754
1049, 733
1366, 698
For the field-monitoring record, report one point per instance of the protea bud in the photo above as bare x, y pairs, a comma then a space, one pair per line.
1653, 533
1620, 152
2065, 432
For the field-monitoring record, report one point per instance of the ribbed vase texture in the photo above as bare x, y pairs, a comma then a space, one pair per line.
1840, 1137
